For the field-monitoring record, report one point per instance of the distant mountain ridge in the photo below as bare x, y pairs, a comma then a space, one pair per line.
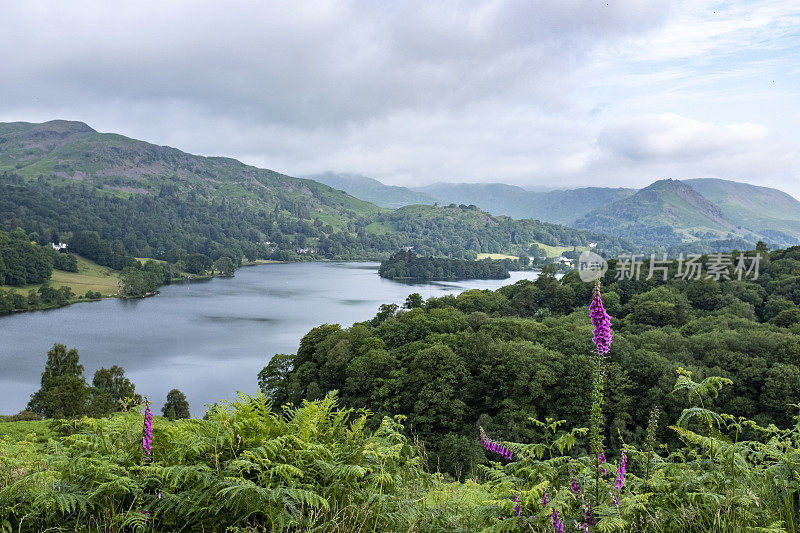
672, 213
64, 176
62, 151
372, 190
557, 206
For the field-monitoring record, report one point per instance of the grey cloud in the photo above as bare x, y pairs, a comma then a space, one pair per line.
315, 65
671, 136
407, 92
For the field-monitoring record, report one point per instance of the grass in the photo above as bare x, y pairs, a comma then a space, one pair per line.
496, 256
556, 251
377, 228
89, 277
260, 262
18, 430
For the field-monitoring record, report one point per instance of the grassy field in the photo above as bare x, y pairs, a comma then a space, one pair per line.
496, 256
260, 262
556, 251
89, 277
377, 228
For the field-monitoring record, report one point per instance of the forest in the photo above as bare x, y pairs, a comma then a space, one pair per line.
494, 359
23, 262
175, 222
406, 264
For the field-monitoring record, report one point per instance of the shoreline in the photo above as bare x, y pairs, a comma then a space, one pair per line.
192, 278
187, 278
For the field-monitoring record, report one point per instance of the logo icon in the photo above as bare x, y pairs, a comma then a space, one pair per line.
591, 266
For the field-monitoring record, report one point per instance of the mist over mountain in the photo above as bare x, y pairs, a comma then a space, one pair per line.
372, 190
556, 206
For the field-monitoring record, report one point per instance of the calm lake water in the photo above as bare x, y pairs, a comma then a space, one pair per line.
208, 339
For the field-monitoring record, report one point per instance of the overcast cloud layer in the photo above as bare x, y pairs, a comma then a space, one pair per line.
561, 93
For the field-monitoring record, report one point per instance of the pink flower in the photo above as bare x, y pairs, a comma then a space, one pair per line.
620, 481
147, 432
601, 322
492, 446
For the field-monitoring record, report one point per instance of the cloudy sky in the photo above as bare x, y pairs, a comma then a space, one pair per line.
557, 93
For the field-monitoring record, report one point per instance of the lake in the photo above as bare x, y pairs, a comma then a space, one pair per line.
209, 339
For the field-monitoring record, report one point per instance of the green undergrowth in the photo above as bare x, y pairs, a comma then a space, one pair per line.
308, 468
36, 431
249, 467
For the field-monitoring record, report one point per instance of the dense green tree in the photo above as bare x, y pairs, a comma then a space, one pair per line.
132, 283
225, 266
21, 261
113, 382
787, 317
176, 405
65, 262
197, 263
407, 265
499, 358
781, 393
64, 392
413, 301
273, 379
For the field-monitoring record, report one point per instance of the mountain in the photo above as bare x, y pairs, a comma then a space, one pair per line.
557, 206
372, 190
667, 213
60, 178
764, 210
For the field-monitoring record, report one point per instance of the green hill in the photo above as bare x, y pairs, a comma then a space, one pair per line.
372, 190
666, 213
762, 209
65, 152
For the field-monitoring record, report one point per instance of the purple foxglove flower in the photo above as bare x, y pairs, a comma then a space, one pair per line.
587, 517
601, 322
147, 432
544, 499
558, 524
575, 487
601, 459
492, 446
620, 481
516, 509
